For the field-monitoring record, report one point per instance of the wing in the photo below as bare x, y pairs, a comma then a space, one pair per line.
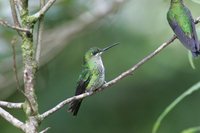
185, 30
194, 33
83, 81
81, 87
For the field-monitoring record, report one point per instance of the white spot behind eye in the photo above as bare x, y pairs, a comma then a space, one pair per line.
97, 54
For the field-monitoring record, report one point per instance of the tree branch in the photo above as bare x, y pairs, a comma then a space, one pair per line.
39, 33
112, 82
18, 4
11, 119
43, 10
14, 14
61, 104
15, 64
31, 105
5, 24
11, 105
139, 64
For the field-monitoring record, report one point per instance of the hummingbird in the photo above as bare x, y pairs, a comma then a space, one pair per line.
182, 23
92, 76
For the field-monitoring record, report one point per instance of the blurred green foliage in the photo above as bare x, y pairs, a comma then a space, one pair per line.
133, 104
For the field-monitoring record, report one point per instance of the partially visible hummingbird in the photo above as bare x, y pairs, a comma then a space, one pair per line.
182, 23
92, 76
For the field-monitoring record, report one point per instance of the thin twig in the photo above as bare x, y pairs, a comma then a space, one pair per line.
14, 14
11, 119
43, 10
11, 105
18, 5
13, 42
118, 78
139, 64
5, 24
39, 33
61, 104
121, 76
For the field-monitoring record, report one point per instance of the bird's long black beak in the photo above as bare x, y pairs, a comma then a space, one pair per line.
105, 49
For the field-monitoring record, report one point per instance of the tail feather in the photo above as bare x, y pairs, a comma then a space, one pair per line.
197, 52
74, 107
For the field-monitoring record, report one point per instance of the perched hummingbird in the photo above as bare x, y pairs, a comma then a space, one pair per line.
182, 23
92, 76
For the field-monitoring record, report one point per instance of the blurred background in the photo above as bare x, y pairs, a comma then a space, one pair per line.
131, 105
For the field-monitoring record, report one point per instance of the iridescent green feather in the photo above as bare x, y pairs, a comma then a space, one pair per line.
179, 14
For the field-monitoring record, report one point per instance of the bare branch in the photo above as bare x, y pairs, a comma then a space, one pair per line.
118, 78
11, 119
5, 24
15, 64
63, 103
14, 13
18, 4
11, 105
43, 10
39, 34
139, 64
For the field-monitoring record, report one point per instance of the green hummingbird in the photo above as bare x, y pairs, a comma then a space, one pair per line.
182, 23
92, 76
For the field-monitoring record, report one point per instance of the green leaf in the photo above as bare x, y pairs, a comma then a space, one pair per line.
158, 122
191, 130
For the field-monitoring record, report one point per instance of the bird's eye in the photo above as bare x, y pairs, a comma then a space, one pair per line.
94, 53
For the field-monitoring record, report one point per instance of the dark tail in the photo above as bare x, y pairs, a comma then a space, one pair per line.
74, 107
196, 54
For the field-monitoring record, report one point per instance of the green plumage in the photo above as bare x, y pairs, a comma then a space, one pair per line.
179, 13
181, 21
92, 76
93, 70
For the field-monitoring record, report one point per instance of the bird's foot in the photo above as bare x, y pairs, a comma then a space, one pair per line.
89, 91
